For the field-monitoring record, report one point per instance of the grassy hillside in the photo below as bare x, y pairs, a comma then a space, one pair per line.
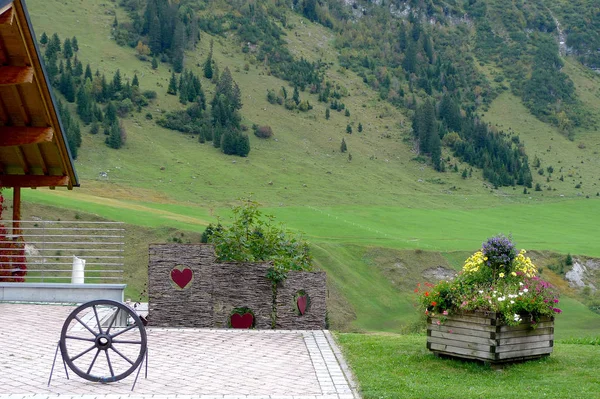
365, 217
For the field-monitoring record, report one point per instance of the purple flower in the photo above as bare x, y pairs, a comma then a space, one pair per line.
556, 301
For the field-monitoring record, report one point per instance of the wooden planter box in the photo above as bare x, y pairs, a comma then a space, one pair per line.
482, 336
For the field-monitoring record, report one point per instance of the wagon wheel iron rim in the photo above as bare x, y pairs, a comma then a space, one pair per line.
103, 341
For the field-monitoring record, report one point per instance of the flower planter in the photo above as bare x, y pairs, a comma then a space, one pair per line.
482, 336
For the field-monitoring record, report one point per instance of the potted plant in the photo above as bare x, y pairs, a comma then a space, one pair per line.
496, 310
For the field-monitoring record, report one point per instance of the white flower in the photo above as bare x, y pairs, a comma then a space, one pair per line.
512, 296
512, 301
517, 317
500, 299
525, 290
520, 283
521, 293
480, 291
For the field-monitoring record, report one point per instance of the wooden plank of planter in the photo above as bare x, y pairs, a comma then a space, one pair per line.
460, 352
524, 353
463, 337
525, 339
458, 330
462, 344
525, 333
475, 318
524, 346
461, 324
526, 326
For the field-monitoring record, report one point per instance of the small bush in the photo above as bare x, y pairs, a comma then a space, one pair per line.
263, 132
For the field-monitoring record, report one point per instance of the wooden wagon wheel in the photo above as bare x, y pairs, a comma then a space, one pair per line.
103, 341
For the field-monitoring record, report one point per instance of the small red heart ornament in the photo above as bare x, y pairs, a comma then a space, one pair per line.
302, 301
242, 321
182, 277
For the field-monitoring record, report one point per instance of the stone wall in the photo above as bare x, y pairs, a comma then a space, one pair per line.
215, 289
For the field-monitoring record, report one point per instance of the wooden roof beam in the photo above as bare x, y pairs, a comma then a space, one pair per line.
33, 181
13, 75
7, 15
22, 135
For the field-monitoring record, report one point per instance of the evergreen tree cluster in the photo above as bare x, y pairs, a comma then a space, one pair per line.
408, 61
71, 128
221, 124
189, 88
96, 98
502, 160
257, 33
167, 28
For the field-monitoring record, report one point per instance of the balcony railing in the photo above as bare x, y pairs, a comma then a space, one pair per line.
47, 250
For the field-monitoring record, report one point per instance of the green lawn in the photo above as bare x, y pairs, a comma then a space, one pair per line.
399, 366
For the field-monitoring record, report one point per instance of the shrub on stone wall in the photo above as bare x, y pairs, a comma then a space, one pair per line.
254, 237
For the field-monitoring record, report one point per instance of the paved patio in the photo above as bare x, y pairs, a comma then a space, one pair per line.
183, 363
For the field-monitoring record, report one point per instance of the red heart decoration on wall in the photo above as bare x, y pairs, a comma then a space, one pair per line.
182, 277
302, 301
242, 321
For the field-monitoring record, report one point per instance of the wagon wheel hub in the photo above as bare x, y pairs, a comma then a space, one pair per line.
103, 341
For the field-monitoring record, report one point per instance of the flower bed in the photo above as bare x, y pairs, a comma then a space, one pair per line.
495, 310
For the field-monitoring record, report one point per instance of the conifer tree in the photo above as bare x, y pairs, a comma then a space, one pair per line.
117, 85
78, 70
208, 69
360, 127
296, 95
172, 89
327, 113
343, 147
67, 49
154, 62
44, 39
135, 82
114, 139
75, 44
348, 129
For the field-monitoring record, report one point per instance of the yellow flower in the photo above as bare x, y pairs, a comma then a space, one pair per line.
501, 275
513, 274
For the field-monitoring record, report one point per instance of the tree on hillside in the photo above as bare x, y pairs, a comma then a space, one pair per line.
135, 82
75, 44
343, 147
327, 114
67, 49
172, 89
208, 69
44, 39
88, 73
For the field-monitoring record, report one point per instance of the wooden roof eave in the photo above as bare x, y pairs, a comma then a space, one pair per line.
21, 15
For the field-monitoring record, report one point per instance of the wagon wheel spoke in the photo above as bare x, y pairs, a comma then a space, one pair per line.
80, 338
122, 355
118, 341
125, 330
82, 353
112, 373
97, 319
112, 321
93, 361
85, 325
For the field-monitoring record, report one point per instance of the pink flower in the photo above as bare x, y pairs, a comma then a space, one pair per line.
445, 313
438, 322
